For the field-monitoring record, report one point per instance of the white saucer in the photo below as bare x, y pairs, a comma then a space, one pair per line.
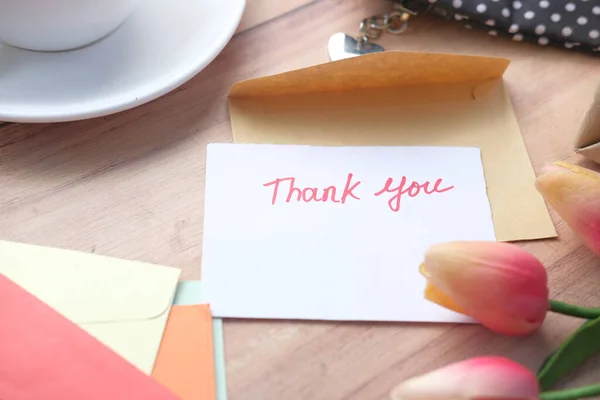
157, 49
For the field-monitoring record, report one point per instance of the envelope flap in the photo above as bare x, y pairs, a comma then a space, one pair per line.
377, 70
589, 132
89, 288
591, 152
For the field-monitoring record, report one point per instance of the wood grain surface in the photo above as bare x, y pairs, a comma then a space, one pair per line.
130, 185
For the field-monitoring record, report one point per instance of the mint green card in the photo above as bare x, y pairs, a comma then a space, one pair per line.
188, 293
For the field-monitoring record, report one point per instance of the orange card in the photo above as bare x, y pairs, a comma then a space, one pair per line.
185, 362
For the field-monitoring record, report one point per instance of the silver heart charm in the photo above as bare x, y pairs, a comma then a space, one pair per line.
342, 46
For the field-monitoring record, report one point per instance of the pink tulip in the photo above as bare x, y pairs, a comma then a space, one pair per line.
489, 378
499, 284
574, 192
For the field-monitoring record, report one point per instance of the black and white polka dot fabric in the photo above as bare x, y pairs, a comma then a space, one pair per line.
570, 24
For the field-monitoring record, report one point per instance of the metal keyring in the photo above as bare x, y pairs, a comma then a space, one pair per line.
395, 18
366, 30
380, 22
371, 28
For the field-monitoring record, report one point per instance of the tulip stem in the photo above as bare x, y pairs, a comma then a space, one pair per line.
570, 394
573, 310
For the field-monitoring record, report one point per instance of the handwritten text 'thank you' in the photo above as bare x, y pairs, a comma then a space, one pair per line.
285, 189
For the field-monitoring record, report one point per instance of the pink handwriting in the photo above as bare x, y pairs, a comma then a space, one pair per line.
285, 189
308, 194
413, 190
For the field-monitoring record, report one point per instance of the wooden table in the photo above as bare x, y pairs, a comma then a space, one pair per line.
131, 185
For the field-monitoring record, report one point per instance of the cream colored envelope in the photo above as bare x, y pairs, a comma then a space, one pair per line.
587, 142
404, 99
124, 304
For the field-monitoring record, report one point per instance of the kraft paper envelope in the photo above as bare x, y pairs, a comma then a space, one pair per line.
406, 99
44, 356
188, 293
185, 362
124, 304
587, 142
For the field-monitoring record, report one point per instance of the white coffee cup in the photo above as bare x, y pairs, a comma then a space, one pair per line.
56, 25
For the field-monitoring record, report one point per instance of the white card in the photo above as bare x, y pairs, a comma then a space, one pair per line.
347, 250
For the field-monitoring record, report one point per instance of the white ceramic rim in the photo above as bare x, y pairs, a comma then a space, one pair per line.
147, 93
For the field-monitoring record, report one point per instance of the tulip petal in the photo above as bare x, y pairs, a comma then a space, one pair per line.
435, 295
499, 284
574, 192
438, 297
477, 378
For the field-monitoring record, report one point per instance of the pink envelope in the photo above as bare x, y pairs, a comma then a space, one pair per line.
44, 356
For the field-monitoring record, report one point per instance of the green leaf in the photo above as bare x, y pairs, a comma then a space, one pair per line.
549, 357
545, 362
576, 349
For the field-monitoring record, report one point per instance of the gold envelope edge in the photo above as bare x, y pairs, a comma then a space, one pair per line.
377, 70
472, 89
